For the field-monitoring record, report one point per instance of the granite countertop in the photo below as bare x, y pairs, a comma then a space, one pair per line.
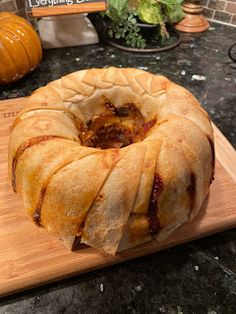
198, 277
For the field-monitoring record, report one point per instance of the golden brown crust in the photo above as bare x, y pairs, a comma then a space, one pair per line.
115, 198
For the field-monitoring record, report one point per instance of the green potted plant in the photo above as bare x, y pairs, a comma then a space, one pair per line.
133, 24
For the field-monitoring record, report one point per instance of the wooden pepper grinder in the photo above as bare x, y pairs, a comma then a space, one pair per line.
194, 21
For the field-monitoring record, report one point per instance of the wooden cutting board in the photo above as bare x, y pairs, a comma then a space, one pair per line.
30, 257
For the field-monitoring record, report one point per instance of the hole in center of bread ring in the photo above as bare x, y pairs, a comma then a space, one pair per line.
115, 127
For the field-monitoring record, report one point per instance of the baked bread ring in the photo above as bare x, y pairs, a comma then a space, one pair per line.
111, 157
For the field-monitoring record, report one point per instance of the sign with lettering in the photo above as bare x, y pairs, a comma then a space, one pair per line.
41, 8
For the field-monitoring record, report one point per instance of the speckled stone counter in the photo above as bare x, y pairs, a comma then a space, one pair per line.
198, 277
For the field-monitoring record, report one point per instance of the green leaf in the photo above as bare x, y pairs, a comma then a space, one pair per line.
171, 3
126, 27
149, 11
174, 14
118, 5
110, 33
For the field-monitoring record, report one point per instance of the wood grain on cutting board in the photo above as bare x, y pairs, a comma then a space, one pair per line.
30, 257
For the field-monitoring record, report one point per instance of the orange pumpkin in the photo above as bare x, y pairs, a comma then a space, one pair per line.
20, 48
